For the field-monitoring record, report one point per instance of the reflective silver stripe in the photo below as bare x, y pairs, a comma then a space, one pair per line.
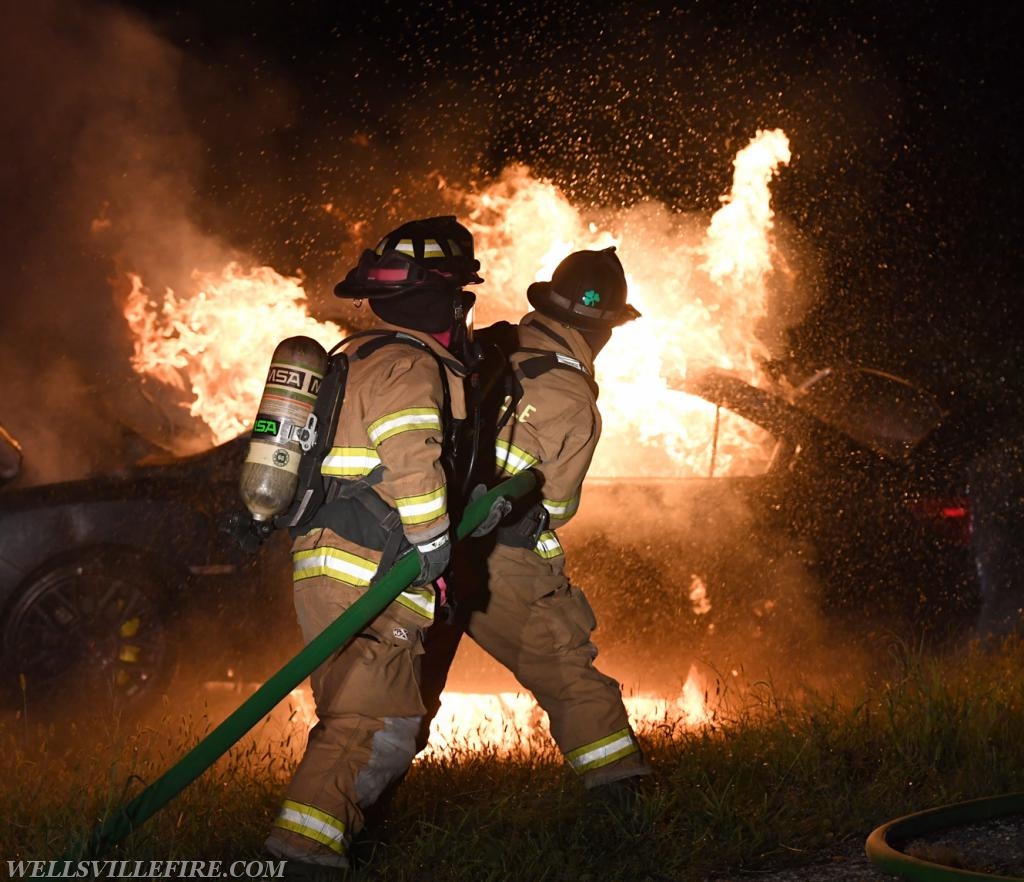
561, 508
512, 459
313, 824
419, 600
572, 362
422, 508
601, 753
335, 563
404, 246
350, 461
431, 248
434, 544
411, 419
548, 545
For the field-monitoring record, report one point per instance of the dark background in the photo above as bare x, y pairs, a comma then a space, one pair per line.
152, 132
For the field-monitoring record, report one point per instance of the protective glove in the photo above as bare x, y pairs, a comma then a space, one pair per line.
434, 555
247, 532
499, 508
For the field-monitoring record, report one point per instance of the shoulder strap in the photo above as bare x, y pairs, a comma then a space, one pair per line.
544, 361
311, 492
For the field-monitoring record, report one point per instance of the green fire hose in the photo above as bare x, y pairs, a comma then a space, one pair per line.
130, 817
890, 860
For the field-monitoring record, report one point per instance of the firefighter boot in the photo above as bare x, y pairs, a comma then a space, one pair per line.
619, 796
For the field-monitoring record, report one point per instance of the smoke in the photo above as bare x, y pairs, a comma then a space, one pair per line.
99, 170
688, 572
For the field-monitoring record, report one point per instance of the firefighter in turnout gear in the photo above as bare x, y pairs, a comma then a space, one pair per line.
387, 492
524, 612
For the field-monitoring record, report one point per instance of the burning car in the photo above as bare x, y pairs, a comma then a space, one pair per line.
96, 575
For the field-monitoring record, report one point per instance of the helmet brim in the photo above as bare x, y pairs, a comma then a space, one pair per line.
543, 297
393, 273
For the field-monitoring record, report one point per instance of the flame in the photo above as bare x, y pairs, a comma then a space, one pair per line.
506, 722
702, 294
217, 341
512, 721
702, 291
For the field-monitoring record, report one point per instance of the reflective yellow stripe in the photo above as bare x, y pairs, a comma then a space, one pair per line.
419, 600
562, 508
422, 508
350, 461
512, 459
356, 571
405, 246
548, 546
409, 420
603, 752
432, 248
313, 824
335, 563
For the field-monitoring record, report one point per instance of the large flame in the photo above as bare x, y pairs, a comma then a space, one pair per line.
216, 341
702, 294
702, 291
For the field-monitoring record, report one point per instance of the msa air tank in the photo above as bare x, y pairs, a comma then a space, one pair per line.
284, 428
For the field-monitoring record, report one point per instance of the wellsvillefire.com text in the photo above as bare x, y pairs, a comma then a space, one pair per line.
178, 869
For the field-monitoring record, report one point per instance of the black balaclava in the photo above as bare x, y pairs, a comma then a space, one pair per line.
596, 338
426, 309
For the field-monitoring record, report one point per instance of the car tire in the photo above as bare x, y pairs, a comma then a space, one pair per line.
89, 634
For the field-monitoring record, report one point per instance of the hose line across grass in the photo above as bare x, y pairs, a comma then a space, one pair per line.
123, 821
894, 862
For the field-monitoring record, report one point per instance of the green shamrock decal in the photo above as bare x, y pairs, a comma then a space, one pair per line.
591, 297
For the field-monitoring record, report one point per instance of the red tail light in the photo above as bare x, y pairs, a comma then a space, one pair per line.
949, 518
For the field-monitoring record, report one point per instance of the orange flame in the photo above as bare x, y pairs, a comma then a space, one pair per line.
216, 342
509, 722
701, 290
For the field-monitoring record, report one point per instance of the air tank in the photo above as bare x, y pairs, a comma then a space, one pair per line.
284, 427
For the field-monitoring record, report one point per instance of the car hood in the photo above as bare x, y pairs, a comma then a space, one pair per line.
891, 430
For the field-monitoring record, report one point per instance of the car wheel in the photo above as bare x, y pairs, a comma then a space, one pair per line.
89, 629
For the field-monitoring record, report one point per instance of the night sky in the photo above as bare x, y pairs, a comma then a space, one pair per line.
242, 120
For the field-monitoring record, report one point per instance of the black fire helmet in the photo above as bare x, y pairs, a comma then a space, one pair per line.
587, 291
434, 252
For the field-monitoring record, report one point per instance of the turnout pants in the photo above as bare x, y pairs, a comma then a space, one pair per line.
529, 618
370, 710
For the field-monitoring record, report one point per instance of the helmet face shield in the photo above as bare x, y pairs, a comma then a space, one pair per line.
389, 275
435, 251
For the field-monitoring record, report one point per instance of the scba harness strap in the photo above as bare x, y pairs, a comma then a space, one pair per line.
525, 523
326, 501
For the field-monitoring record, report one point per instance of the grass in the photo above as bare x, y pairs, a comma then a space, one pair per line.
775, 779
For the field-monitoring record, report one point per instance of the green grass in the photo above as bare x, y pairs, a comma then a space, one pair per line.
774, 780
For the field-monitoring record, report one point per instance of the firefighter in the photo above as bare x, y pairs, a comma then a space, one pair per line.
527, 615
388, 492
